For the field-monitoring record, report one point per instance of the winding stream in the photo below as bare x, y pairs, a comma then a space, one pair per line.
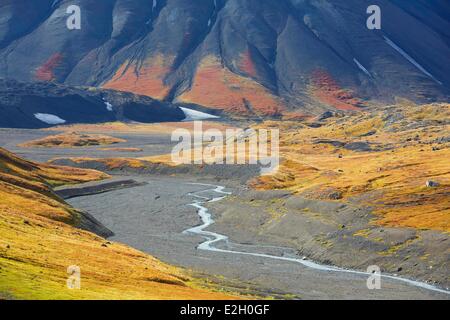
212, 238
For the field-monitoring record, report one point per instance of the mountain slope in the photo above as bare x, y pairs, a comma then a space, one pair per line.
248, 57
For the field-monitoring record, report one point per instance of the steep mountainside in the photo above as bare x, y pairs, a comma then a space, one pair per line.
254, 57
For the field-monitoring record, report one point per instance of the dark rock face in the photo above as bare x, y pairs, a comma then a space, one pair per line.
259, 57
20, 103
432, 184
326, 115
358, 146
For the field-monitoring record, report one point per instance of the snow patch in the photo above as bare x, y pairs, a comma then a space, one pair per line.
154, 5
55, 3
109, 106
49, 118
194, 115
214, 12
410, 59
362, 67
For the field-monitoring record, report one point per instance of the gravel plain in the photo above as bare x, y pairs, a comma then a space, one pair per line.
153, 215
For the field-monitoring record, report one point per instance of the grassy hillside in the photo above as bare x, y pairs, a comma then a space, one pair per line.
381, 159
40, 240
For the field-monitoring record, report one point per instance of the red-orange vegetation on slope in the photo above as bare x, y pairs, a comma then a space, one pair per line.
217, 87
148, 80
247, 65
46, 71
327, 91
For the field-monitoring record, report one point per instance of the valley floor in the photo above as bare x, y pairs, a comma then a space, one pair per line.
152, 217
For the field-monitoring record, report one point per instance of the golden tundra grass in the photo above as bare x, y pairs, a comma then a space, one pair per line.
72, 139
39, 242
393, 181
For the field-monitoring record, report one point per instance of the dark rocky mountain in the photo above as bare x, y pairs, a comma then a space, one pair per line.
44, 104
260, 57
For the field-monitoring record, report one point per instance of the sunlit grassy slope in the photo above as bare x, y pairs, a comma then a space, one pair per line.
399, 149
39, 241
